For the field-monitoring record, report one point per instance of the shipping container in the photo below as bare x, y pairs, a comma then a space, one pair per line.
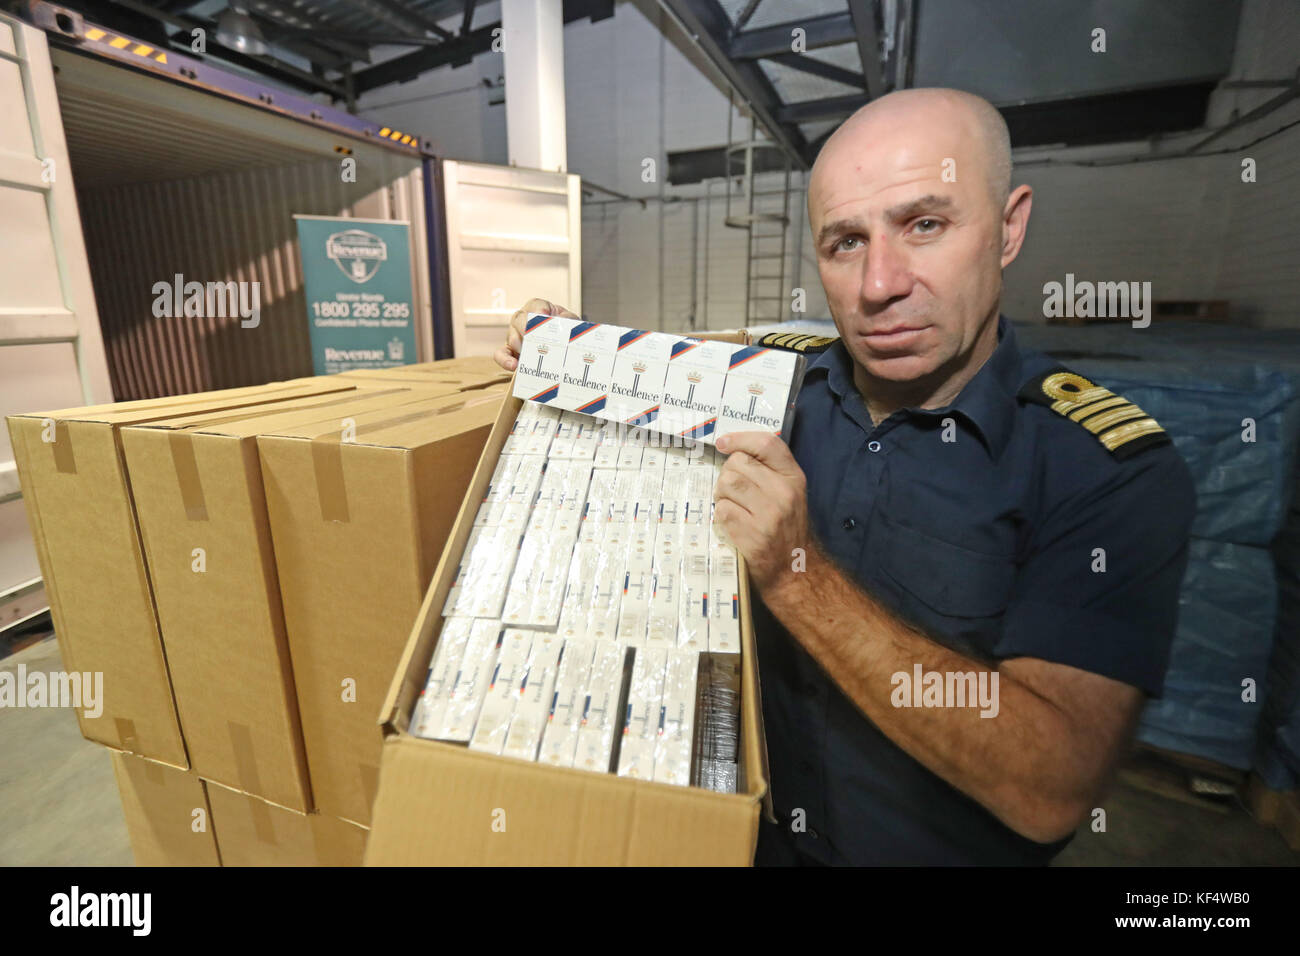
123, 166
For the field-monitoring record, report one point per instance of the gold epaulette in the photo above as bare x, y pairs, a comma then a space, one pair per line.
1122, 428
796, 342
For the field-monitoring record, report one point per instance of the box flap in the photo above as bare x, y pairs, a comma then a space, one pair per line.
254, 420
413, 424
533, 814
132, 413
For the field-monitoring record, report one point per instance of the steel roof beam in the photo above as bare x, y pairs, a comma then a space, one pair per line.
400, 16
868, 40
829, 30
307, 20
710, 28
462, 48
810, 111
286, 72
827, 71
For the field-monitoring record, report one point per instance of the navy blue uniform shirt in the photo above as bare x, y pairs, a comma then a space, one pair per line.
987, 543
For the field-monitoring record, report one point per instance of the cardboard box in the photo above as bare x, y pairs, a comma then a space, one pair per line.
253, 832
358, 527
201, 508
167, 813
484, 366
440, 803
467, 373
79, 506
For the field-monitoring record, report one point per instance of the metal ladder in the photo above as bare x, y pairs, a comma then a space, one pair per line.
765, 215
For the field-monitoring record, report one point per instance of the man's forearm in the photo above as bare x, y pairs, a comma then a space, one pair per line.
1018, 764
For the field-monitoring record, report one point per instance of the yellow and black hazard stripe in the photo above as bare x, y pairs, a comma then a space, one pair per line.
397, 136
126, 44
1122, 427
796, 342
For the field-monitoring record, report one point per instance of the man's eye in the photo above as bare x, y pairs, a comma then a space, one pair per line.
927, 225
842, 247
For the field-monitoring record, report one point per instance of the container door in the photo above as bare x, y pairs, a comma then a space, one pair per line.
51, 353
512, 235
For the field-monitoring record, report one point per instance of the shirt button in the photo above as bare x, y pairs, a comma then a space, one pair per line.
873, 446
850, 523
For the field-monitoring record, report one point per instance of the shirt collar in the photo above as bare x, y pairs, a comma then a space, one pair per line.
988, 402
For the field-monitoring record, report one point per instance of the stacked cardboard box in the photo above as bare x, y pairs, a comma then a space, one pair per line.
82, 515
167, 813
159, 549
358, 527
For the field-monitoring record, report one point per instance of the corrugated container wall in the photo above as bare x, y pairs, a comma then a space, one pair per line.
223, 226
172, 180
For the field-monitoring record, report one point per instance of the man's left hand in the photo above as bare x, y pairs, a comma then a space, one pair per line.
762, 504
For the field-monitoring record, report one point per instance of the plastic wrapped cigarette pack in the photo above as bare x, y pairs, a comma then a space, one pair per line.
675, 737
470, 684
536, 693
502, 691
717, 731
645, 694
564, 717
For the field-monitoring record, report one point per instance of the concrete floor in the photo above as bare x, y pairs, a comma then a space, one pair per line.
59, 805
58, 797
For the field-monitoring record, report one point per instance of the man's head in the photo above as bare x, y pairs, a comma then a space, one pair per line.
913, 217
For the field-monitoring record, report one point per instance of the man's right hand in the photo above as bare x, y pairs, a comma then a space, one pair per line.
508, 355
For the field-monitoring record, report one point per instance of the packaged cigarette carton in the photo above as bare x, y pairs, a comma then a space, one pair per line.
536, 696
641, 715
502, 691
472, 678
447, 658
675, 739
564, 718
603, 708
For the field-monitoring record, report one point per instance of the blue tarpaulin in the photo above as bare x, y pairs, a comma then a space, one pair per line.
1225, 636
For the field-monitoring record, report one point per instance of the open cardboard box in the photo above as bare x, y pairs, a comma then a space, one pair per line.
442, 804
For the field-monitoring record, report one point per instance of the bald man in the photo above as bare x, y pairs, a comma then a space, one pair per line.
967, 557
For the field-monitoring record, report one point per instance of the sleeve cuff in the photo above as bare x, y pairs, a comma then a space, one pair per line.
1088, 639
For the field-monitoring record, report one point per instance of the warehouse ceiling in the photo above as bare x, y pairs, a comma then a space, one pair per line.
800, 66
339, 47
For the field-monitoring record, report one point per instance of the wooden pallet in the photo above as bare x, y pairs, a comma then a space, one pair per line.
1279, 809
1193, 780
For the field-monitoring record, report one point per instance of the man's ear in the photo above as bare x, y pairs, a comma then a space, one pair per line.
1015, 220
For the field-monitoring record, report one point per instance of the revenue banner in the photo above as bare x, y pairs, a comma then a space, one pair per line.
357, 279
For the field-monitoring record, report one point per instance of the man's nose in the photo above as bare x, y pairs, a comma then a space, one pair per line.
885, 272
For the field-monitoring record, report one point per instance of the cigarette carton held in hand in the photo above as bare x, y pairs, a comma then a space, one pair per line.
674, 385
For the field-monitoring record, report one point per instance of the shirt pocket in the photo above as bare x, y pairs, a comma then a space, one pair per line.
951, 580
